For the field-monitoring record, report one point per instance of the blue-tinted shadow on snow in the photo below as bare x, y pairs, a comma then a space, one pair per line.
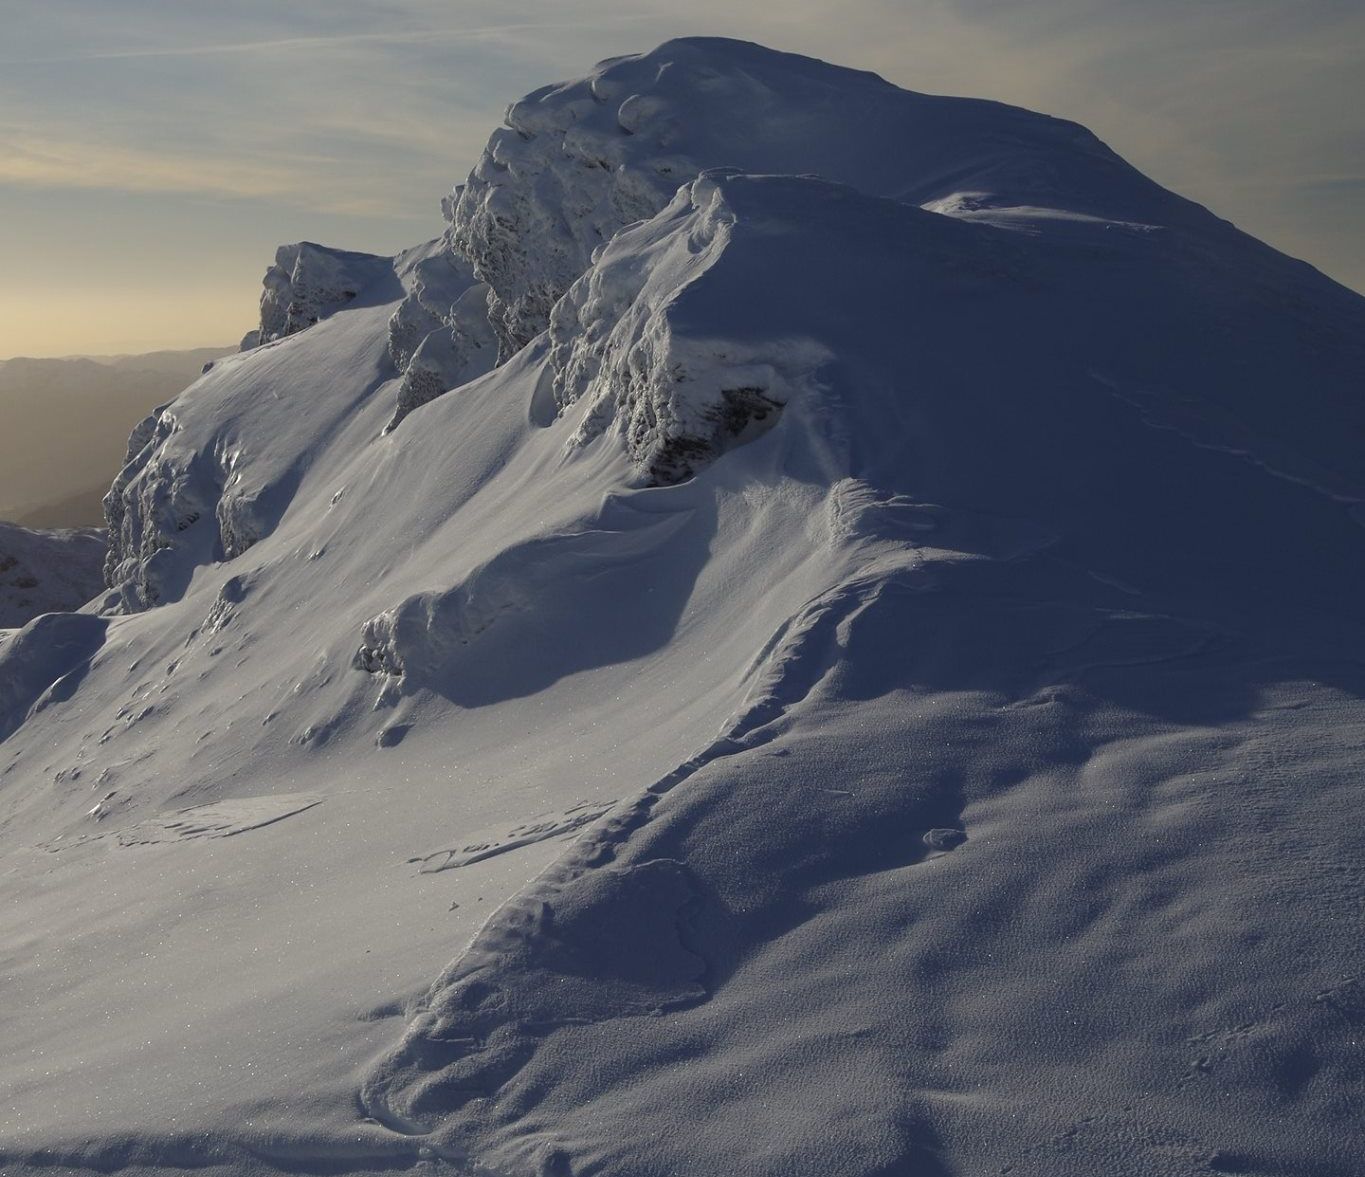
44, 663
550, 607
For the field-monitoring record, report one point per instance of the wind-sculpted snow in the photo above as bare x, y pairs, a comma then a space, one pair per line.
588, 942
439, 337
47, 571
44, 662
900, 725
873, 690
652, 345
308, 282
578, 161
542, 592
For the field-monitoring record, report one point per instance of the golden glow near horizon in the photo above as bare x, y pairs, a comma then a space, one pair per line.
121, 322
152, 156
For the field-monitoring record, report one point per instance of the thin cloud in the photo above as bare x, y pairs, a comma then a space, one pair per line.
80, 164
292, 44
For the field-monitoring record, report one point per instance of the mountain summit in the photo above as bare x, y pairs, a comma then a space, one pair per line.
813, 630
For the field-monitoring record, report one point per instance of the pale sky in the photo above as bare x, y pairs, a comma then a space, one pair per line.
154, 152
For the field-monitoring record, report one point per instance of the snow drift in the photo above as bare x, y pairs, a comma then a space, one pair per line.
864, 686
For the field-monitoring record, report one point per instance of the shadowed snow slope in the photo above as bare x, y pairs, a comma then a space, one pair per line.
873, 690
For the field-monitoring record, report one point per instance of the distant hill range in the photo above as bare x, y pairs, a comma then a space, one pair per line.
64, 426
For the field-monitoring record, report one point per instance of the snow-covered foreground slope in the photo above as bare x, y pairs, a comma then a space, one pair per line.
873, 689
47, 571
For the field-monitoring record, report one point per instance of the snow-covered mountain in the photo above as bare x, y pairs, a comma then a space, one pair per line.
858, 673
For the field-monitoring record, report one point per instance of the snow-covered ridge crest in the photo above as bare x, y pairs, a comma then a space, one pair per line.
308, 282
578, 161
649, 346
439, 336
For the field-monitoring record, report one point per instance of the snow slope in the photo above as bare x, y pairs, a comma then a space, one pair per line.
872, 689
47, 571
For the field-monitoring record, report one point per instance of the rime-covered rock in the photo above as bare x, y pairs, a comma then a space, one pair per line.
577, 161
439, 337
209, 475
632, 338
308, 282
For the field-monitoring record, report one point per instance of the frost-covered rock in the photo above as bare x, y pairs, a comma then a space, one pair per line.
439, 337
209, 475
307, 283
150, 511
664, 353
578, 161
47, 571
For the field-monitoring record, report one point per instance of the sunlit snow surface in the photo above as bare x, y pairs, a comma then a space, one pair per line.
953, 770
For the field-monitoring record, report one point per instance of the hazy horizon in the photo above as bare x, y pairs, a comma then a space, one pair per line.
135, 354
64, 425
154, 157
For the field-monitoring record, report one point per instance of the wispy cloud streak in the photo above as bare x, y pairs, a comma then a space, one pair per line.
295, 44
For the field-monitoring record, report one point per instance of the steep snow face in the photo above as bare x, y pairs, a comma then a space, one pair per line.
210, 474
307, 283
47, 571
980, 735
579, 160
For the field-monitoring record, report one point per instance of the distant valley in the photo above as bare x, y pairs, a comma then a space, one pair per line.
64, 426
